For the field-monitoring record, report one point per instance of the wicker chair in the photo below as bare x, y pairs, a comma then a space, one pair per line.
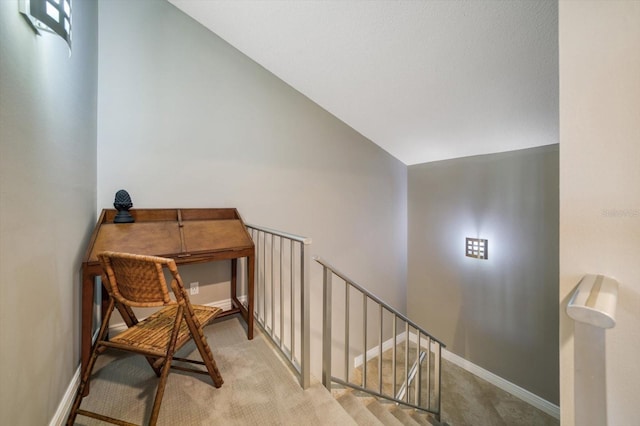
138, 281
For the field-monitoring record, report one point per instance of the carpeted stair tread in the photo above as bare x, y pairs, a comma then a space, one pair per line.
382, 413
389, 413
368, 410
403, 416
355, 407
424, 419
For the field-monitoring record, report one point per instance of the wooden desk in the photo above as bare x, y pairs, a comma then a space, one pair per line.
186, 235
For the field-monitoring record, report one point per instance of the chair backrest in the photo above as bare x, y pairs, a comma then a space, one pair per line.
137, 280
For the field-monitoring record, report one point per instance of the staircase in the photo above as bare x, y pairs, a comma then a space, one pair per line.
366, 409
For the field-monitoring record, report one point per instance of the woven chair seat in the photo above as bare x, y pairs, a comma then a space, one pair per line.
151, 335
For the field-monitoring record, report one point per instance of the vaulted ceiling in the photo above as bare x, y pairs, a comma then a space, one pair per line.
425, 80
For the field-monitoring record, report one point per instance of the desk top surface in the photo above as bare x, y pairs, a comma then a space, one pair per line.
176, 233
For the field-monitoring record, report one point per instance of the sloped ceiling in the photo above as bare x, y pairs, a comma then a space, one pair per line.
425, 80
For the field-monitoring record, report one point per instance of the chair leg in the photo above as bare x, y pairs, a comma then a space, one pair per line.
155, 411
92, 361
205, 353
78, 398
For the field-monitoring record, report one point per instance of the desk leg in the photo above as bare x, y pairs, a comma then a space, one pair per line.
105, 305
234, 279
250, 284
87, 323
248, 313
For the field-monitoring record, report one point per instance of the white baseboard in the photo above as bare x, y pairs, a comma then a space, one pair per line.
388, 344
373, 352
515, 390
61, 414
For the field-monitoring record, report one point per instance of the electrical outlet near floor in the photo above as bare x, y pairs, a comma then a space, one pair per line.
194, 288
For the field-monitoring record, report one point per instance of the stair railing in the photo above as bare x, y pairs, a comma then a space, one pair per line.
282, 295
405, 340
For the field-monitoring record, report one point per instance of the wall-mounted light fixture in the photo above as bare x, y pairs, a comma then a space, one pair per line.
477, 248
53, 16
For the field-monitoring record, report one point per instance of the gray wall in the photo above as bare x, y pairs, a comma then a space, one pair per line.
500, 313
187, 120
47, 206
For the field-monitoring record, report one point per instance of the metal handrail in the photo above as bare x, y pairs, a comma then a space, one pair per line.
298, 252
372, 296
411, 332
288, 236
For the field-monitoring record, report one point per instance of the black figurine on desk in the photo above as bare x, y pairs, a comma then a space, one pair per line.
123, 203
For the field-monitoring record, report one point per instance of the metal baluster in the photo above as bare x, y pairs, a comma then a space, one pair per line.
406, 361
380, 353
364, 332
264, 279
393, 361
428, 372
438, 378
346, 331
258, 276
292, 335
419, 371
305, 315
256, 267
281, 294
326, 328
281, 297
273, 301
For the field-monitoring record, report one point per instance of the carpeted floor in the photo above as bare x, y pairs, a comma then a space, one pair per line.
258, 388
470, 400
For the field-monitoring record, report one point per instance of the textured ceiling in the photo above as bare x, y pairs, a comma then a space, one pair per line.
425, 80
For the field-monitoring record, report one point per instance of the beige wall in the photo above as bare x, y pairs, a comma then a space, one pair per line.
187, 120
600, 202
499, 313
47, 206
